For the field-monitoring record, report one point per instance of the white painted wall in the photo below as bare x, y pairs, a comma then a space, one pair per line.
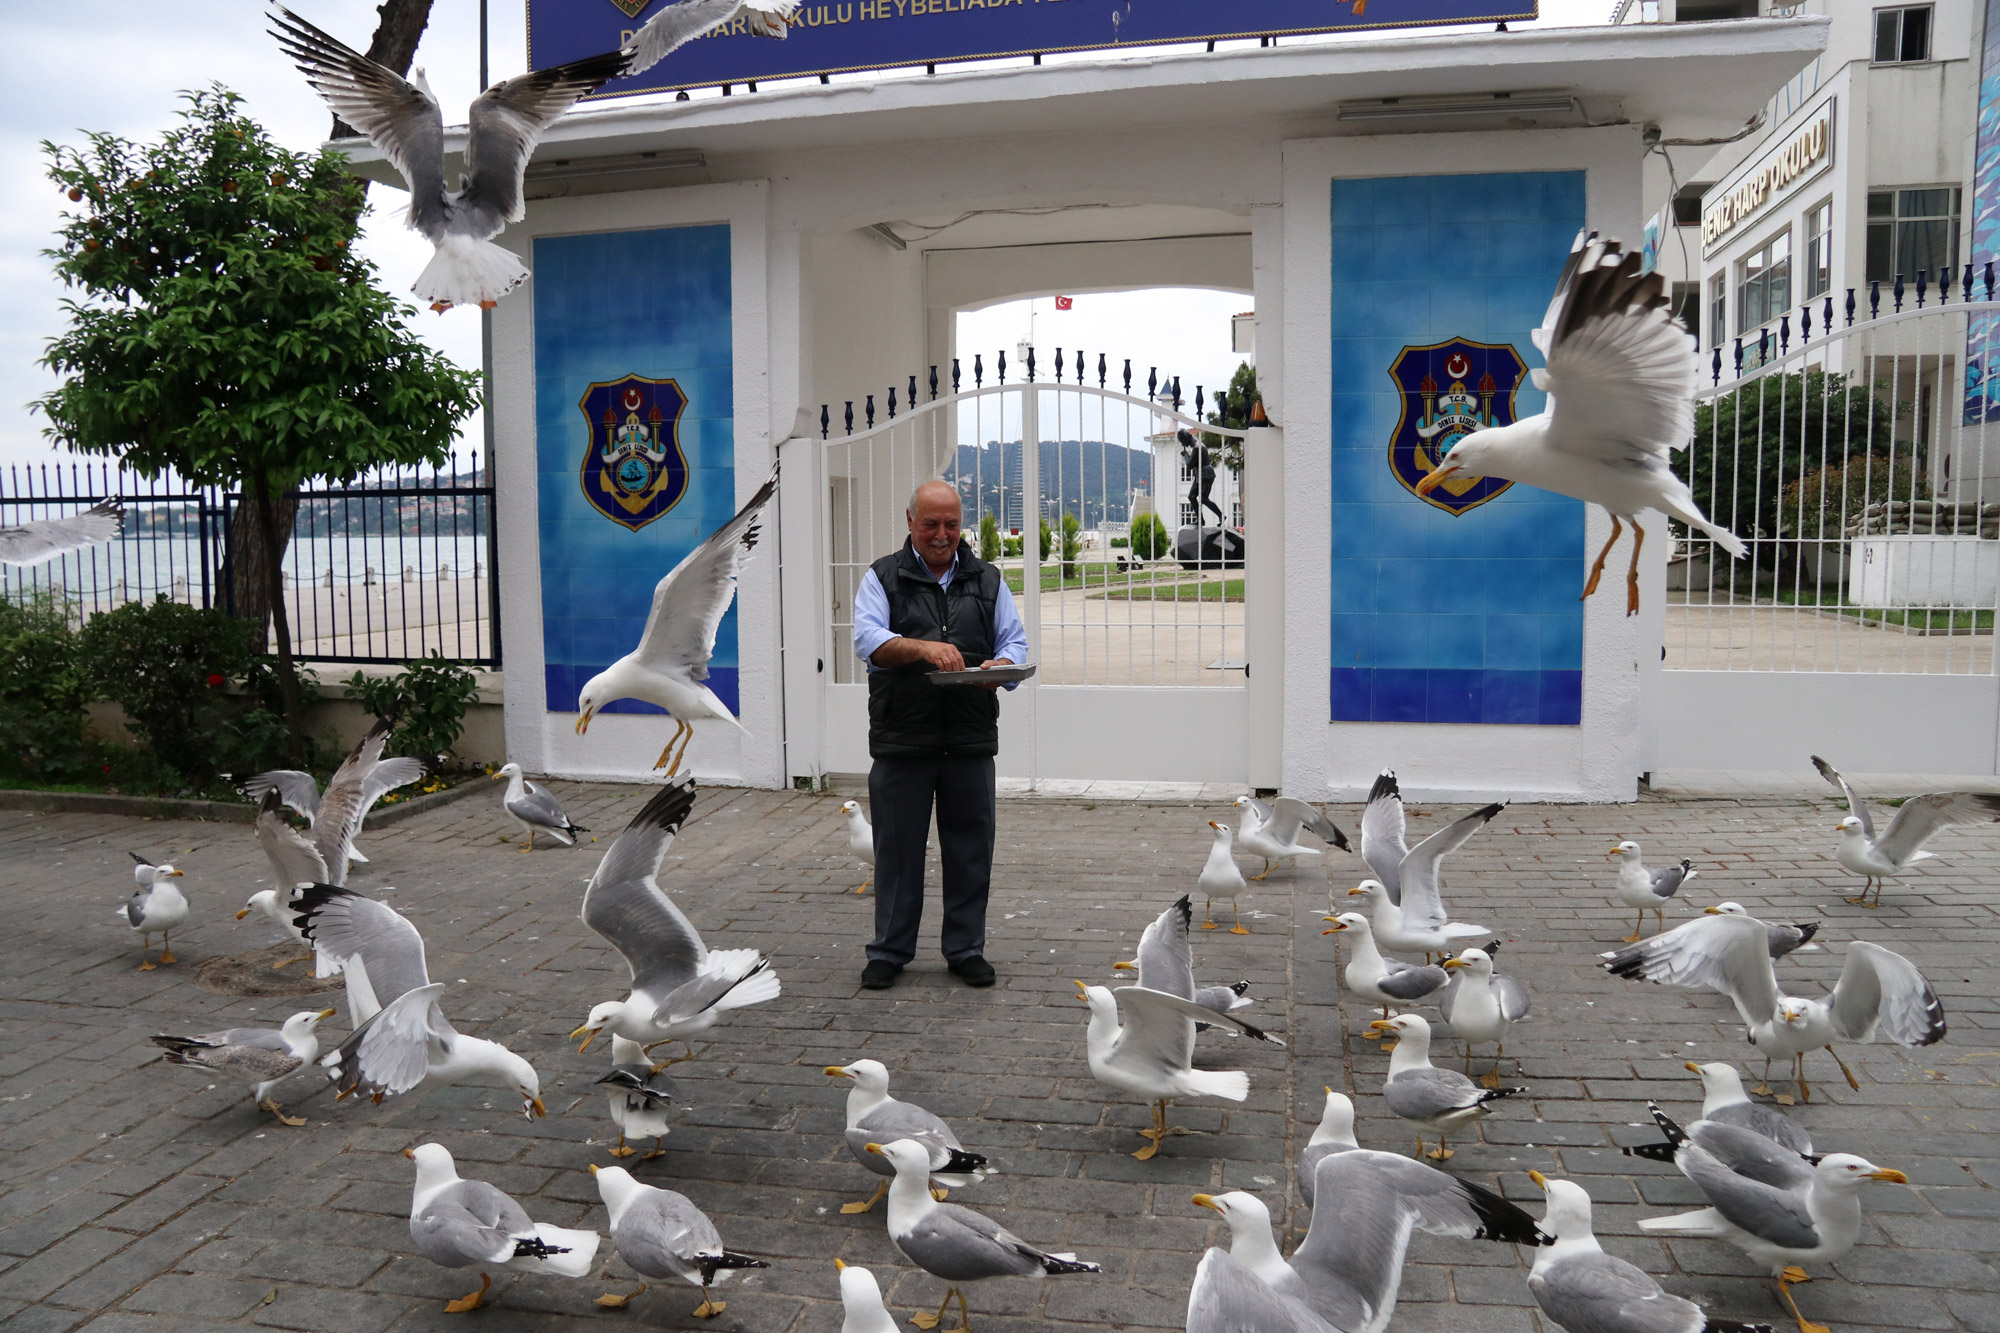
1771, 720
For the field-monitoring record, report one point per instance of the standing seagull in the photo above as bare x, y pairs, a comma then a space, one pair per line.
1251, 1242
662, 1235
1272, 831
1585, 1290
1646, 890
1142, 1041
1419, 922
154, 906
671, 661
874, 1116
679, 986
46, 538
462, 1223
265, 1056
1482, 1007
860, 839
1724, 1102
862, 1310
533, 808
1333, 1134
640, 1098
1380, 980
1429, 1097
1620, 384
1901, 844
953, 1242
1220, 878
678, 24
402, 119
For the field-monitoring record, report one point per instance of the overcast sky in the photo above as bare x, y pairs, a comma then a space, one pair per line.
60, 78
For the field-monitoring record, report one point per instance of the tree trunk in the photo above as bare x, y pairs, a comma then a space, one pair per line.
258, 493
251, 559
399, 27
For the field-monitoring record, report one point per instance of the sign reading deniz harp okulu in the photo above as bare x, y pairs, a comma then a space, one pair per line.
838, 36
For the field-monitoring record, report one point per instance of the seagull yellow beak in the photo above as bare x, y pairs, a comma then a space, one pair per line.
1206, 1201
593, 1168
1337, 926
1891, 1175
586, 1040
1212, 824
1355, 891
1380, 1025
327, 1013
497, 776
1435, 477
1611, 854
839, 1265
1082, 991
536, 1104
410, 1153
583, 722
1692, 1067
240, 915
1713, 911
175, 874
875, 1148
1124, 967
835, 1071
1540, 1180
1329, 1092
1451, 963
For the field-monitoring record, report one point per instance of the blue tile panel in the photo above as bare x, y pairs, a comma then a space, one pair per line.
655, 304
1439, 618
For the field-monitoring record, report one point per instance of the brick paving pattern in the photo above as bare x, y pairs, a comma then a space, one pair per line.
136, 1198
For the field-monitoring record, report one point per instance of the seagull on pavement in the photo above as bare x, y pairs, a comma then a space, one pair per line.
1165, 962
1272, 830
363, 778
1880, 992
155, 905
401, 1037
1620, 385
401, 117
1228, 1298
860, 839
678, 24
862, 1310
1646, 890
1420, 922
44, 539
1141, 1042
533, 808
1585, 1290
1775, 1206
1221, 878
1379, 980
1250, 1240
873, 1116
640, 1098
663, 1236
465, 1223
1725, 1103
1482, 1007
1333, 1134
265, 1056
1901, 844
671, 661
1431, 1098
680, 986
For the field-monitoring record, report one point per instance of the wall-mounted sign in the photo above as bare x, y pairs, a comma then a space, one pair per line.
1801, 157
836, 36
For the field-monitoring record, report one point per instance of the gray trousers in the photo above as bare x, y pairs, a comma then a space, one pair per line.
901, 795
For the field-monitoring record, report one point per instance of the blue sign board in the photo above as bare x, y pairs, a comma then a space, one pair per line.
839, 36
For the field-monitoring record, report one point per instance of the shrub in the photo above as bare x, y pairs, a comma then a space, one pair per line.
167, 665
1121, 542
426, 704
42, 693
1150, 538
1072, 543
1819, 504
989, 537
1048, 540
1011, 546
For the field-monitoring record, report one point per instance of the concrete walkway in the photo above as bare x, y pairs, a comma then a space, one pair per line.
140, 1198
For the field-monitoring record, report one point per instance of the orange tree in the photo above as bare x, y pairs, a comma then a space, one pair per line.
225, 330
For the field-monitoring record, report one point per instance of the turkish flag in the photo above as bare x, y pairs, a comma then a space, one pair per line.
1064, 303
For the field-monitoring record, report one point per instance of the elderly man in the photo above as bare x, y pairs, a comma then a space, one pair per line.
932, 606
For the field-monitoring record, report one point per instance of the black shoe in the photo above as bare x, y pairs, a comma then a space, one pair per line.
973, 971
880, 974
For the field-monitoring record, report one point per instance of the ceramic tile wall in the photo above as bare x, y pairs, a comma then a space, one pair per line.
1442, 618
656, 304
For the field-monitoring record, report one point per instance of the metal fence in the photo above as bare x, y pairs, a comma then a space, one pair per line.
1106, 601
392, 567
1854, 459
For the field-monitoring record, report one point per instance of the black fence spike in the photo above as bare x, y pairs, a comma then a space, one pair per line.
825, 420
1763, 346
871, 411
1989, 279
1850, 307
1739, 358
1896, 292
978, 372
892, 402
1177, 393
1128, 367
954, 377
1923, 282
1784, 333
1031, 363
1152, 382
1198, 409
850, 416
1826, 315
1875, 299
1805, 323
1965, 285
913, 393
1944, 285
1079, 365
1715, 370
1100, 371
1000, 367
1059, 365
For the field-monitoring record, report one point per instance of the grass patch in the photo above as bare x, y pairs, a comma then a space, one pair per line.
1935, 619
1218, 590
1099, 577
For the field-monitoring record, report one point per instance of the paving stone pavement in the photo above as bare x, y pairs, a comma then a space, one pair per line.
137, 1198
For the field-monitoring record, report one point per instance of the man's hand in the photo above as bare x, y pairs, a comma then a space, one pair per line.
994, 662
940, 655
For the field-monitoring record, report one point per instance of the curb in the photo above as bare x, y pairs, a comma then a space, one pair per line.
221, 812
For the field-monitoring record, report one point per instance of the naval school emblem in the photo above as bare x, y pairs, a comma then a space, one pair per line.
1449, 390
634, 470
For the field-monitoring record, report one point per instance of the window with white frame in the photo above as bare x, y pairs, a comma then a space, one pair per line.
1911, 231
1764, 283
1902, 35
1819, 249
1718, 314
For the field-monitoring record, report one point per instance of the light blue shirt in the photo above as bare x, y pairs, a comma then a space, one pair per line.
871, 620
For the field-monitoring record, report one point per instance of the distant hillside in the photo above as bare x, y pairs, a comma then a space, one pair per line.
1091, 479
355, 513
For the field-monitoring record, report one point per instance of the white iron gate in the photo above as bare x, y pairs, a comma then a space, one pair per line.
1858, 463
1136, 614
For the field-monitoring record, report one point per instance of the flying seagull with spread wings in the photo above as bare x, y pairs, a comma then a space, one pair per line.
677, 25
671, 661
1620, 381
362, 779
44, 539
1899, 846
401, 117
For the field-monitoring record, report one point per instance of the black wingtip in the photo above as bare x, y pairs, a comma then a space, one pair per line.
1806, 929
1185, 907
1239, 987
1733, 1326
669, 807
1628, 963
140, 859
1055, 1267
711, 1264
1495, 1094
1500, 1220
1676, 1136
272, 802
1385, 787
959, 1161
534, 1247
311, 899
1339, 838
1652, 1152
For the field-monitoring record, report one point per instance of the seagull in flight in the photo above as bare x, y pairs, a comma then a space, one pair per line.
1620, 384
44, 539
671, 661
401, 117
677, 25
1900, 846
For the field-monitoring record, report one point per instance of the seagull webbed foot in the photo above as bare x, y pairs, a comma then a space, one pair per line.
612, 1300
473, 1301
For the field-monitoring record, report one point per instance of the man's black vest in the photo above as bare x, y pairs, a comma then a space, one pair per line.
908, 717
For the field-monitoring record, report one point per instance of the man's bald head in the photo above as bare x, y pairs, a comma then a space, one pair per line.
935, 515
